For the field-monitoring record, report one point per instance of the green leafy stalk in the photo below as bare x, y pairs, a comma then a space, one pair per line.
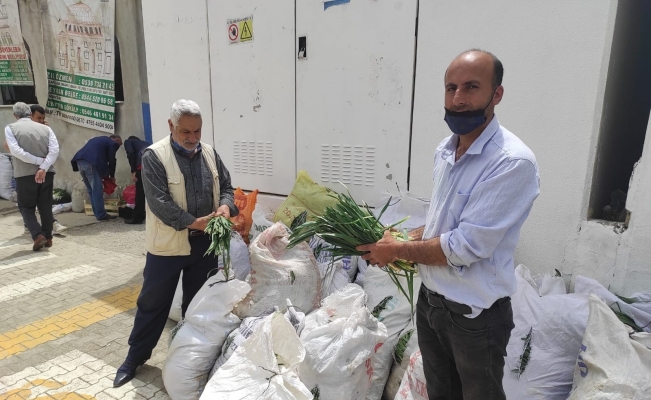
381, 306
401, 346
625, 318
316, 392
526, 354
625, 299
299, 220
346, 225
220, 230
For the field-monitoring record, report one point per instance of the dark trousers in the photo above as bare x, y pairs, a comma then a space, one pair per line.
155, 300
139, 210
463, 358
31, 195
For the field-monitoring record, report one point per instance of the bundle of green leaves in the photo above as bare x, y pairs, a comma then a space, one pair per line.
220, 230
61, 196
346, 225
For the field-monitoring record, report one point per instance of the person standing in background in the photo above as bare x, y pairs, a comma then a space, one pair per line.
35, 149
134, 147
38, 115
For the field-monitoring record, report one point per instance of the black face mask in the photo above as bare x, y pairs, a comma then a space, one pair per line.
464, 122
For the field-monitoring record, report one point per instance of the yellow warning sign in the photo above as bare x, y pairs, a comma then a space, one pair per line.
246, 30
240, 30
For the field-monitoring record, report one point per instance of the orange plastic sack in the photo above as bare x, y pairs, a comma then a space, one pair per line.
246, 204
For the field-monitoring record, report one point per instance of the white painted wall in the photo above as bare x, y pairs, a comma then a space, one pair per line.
555, 55
178, 66
253, 94
353, 93
632, 271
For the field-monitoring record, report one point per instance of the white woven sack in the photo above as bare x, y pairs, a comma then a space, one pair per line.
278, 274
197, 343
262, 368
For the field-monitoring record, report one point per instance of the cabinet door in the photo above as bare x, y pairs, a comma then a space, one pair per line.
354, 78
253, 91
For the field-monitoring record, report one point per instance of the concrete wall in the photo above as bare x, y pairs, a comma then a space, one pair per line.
178, 62
617, 257
128, 115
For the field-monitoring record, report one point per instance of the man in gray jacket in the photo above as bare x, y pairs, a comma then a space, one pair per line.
35, 149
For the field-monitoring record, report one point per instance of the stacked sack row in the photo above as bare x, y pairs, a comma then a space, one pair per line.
274, 336
294, 323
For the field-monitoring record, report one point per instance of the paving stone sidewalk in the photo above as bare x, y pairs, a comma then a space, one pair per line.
66, 314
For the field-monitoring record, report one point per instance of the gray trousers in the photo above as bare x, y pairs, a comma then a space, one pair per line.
31, 195
463, 358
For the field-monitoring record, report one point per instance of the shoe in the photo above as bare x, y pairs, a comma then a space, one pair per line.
126, 372
107, 218
134, 221
48, 243
57, 228
39, 242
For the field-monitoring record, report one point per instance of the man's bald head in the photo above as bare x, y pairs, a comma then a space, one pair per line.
482, 56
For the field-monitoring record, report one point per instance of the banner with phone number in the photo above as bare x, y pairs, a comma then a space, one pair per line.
79, 53
14, 64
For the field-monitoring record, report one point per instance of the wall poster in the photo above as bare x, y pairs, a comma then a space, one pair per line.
78, 36
14, 63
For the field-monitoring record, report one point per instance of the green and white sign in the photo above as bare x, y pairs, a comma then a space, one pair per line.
80, 58
14, 63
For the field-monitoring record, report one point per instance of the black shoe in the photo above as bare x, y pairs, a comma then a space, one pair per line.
107, 217
134, 221
126, 372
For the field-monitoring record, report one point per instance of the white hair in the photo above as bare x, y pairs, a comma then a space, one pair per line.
184, 107
22, 110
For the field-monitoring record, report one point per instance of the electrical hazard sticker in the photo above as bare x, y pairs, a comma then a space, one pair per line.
240, 30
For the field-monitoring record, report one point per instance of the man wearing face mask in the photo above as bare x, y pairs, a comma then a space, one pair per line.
485, 183
186, 185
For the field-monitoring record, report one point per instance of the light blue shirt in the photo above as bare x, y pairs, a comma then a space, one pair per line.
478, 206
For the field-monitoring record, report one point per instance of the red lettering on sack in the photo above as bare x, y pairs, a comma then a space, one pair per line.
369, 369
421, 388
405, 391
412, 361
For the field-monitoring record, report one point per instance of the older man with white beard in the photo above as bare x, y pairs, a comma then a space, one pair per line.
186, 185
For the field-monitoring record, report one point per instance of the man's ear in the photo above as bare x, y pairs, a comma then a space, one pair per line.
497, 97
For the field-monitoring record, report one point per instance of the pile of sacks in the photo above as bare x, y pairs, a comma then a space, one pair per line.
272, 335
296, 324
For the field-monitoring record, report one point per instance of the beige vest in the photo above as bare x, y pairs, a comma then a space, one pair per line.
34, 138
161, 239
